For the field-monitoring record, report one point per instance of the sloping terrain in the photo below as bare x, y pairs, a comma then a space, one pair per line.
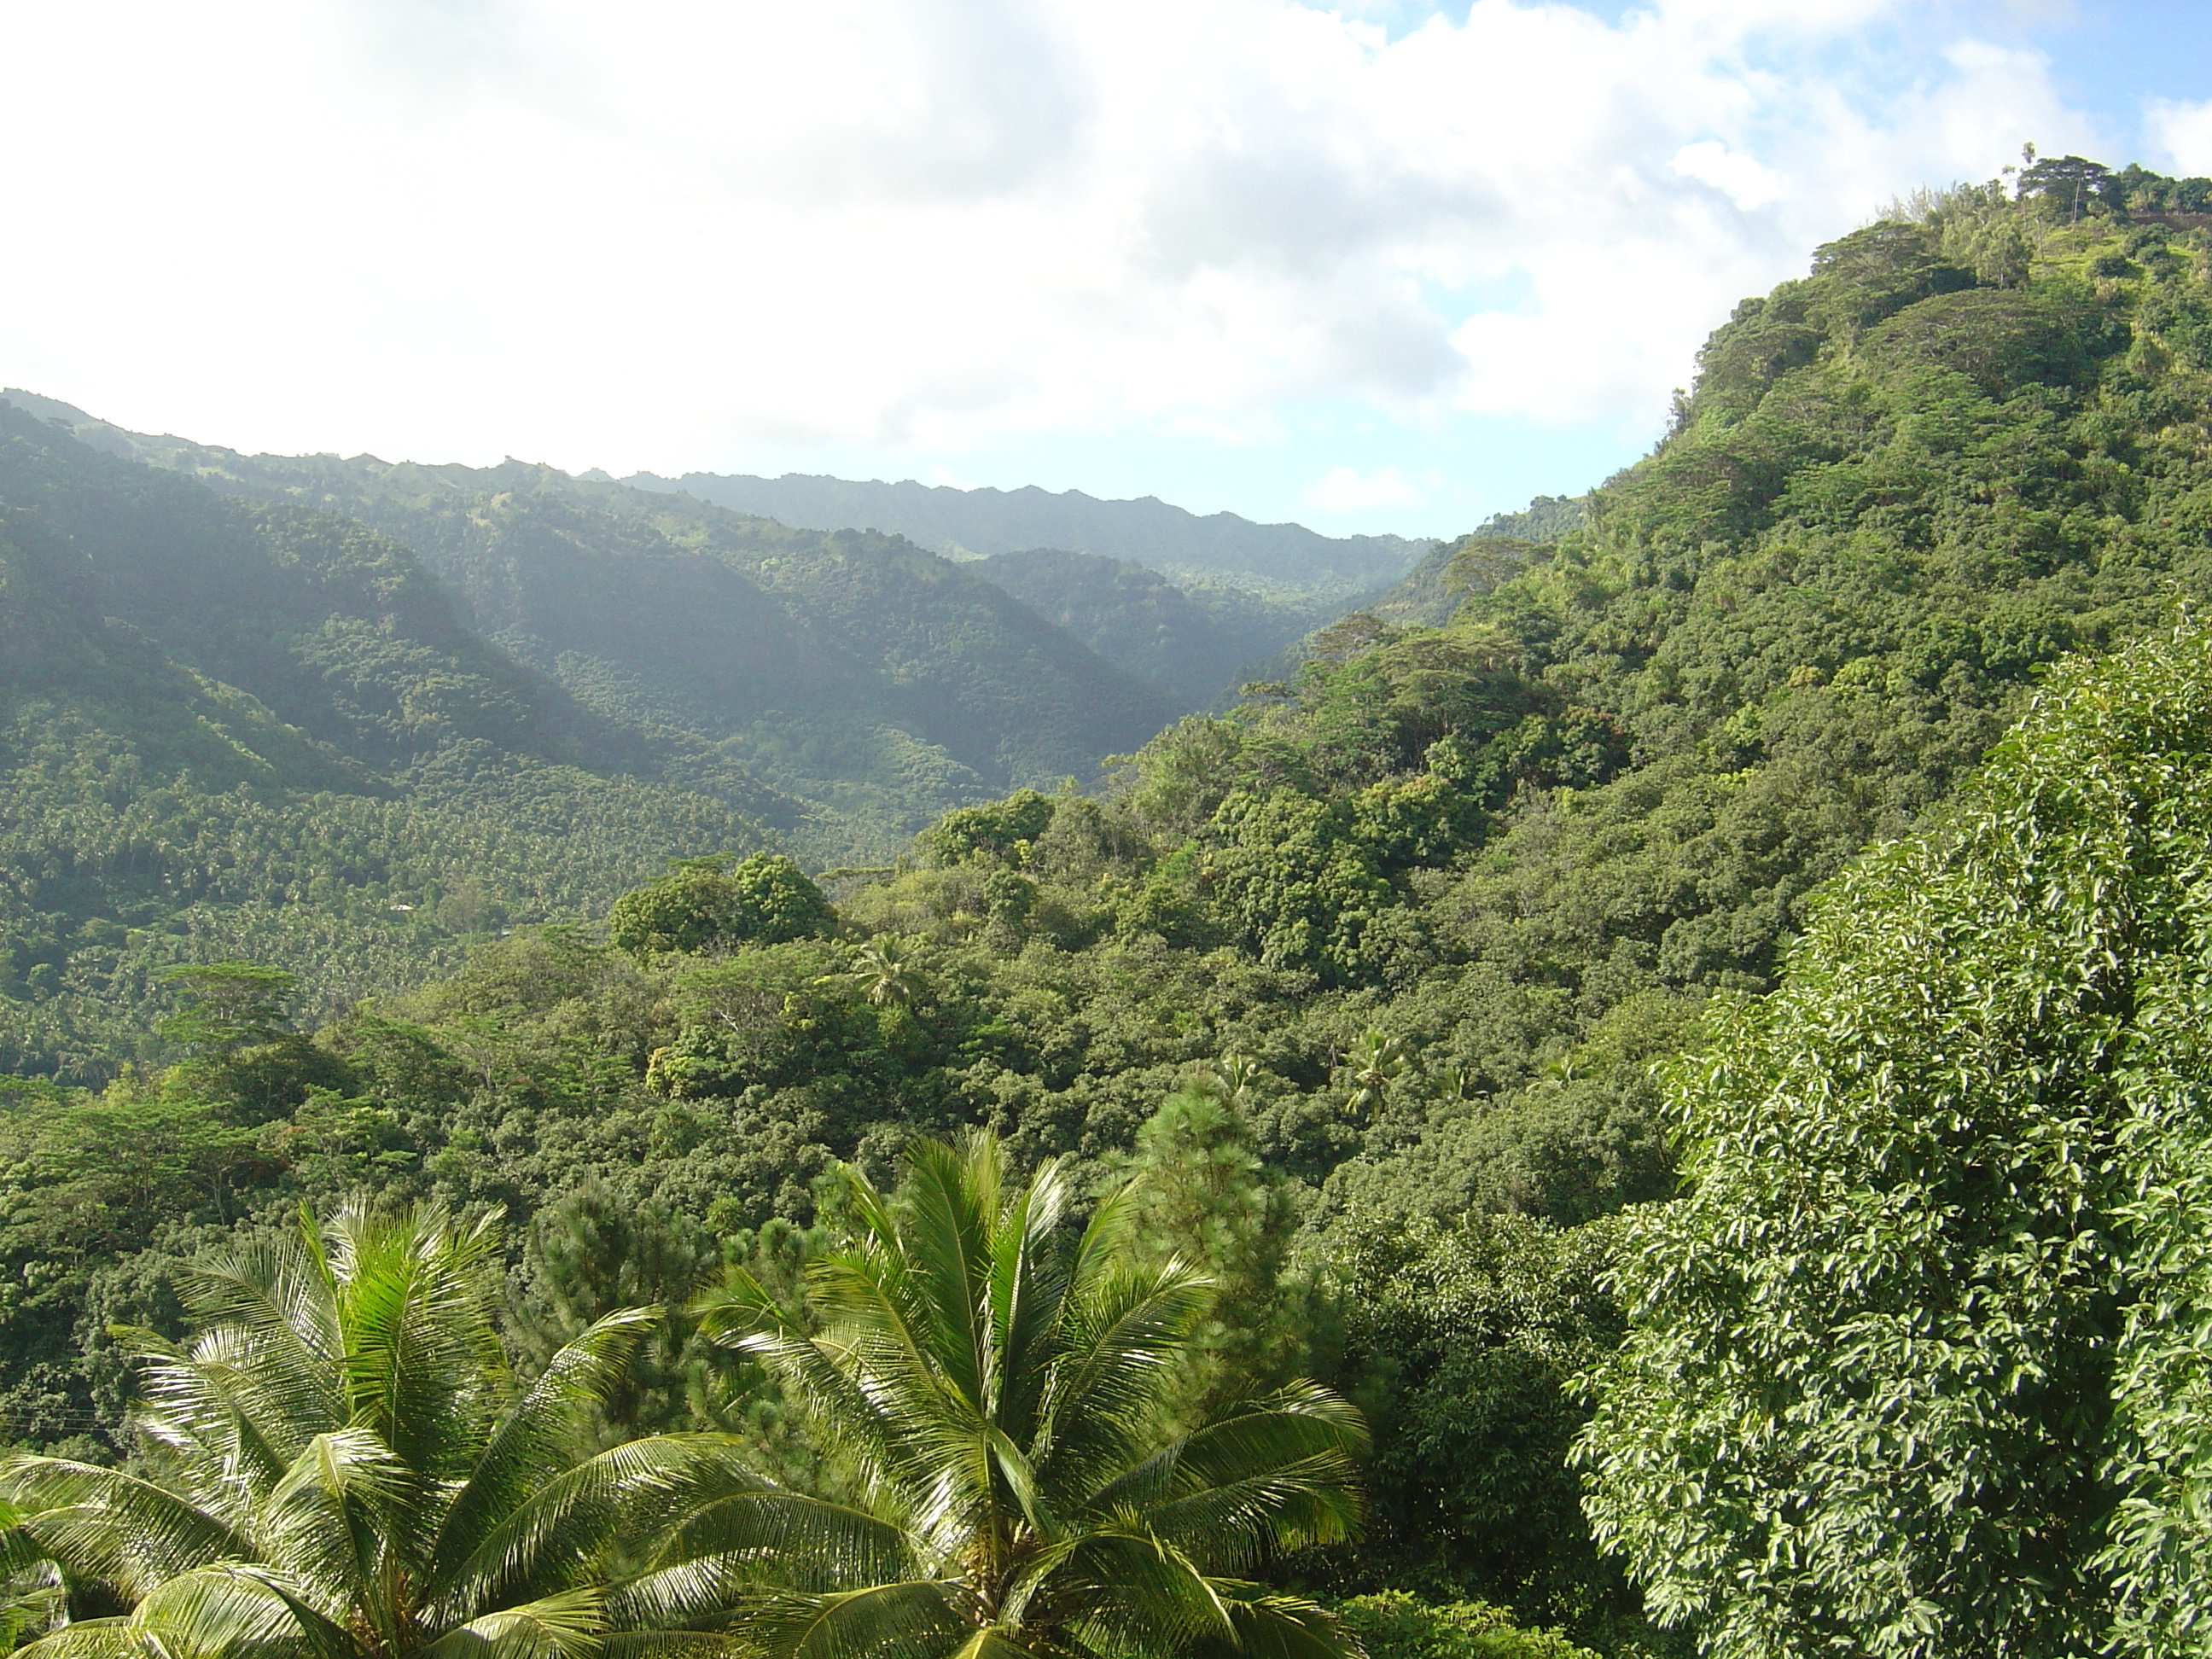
872, 684
236, 729
1193, 641
1283, 559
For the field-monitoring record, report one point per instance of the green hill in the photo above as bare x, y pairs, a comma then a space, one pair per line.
1192, 641
872, 684
1398, 942
1284, 560
242, 730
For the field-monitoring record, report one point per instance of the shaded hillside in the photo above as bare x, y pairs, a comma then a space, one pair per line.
873, 682
229, 728
1192, 641
1219, 547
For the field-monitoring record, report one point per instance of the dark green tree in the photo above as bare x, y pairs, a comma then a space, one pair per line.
592, 1254
1203, 1196
228, 1005
707, 905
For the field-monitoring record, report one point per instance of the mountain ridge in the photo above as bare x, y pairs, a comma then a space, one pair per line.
1222, 547
869, 681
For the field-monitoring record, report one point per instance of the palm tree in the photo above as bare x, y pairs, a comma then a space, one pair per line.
997, 1402
883, 972
1376, 1062
340, 1466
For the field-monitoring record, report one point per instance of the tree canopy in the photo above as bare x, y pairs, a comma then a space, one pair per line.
1917, 1361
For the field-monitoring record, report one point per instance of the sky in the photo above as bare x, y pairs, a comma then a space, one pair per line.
1383, 266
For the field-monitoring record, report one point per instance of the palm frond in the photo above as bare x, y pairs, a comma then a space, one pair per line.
534, 1444
640, 1493
1141, 1594
948, 1213
1027, 1290
994, 1643
1269, 1626
275, 1305
1106, 1386
664, 1644
906, 1621
88, 1638
416, 1301
325, 1516
800, 1542
100, 1523
565, 1625
219, 1611
1241, 1522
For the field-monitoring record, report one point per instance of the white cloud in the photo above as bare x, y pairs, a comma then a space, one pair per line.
1345, 489
1742, 180
673, 233
2183, 132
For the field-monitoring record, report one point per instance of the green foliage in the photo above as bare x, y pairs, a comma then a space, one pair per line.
1419, 920
1204, 1197
338, 1464
589, 1257
228, 1004
702, 906
995, 1391
1916, 1358
231, 731
1191, 641
1465, 1340
1395, 1625
845, 688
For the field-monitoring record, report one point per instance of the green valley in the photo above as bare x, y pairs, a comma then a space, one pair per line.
1640, 1094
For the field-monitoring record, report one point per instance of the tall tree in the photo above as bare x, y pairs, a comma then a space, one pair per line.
337, 1467
999, 1403
1917, 1367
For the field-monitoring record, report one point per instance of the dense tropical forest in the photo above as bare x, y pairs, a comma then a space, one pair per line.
1644, 1097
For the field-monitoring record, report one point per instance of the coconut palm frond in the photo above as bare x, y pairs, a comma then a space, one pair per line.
841, 1545
221, 1611
644, 1494
534, 1444
345, 1469
415, 1300
665, 1644
913, 1619
1275, 1626
1010, 1399
567, 1626
1146, 1595
88, 1638
107, 1525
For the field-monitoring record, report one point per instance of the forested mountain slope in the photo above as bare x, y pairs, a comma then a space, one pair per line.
1193, 641
232, 729
1398, 942
872, 682
1284, 559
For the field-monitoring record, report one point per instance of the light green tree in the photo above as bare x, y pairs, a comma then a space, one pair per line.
996, 1393
1373, 1068
1917, 1365
883, 972
338, 1466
